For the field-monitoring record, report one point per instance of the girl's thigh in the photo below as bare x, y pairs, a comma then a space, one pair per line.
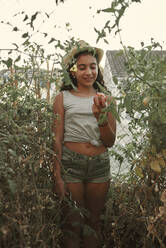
77, 191
95, 196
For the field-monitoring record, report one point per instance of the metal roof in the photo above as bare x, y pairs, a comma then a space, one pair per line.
117, 60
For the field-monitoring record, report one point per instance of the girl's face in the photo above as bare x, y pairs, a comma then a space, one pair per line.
86, 70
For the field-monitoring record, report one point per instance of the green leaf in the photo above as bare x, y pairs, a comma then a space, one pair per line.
155, 166
18, 58
12, 185
25, 18
12, 152
88, 231
26, 42
25, 35
112, 108
48, 16
45, 34
52, 40
33, 17
8, 62
15, 29
139, 172
108, 10
115, 80
106, 41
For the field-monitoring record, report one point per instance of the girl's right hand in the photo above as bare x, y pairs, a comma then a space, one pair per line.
100, 102
60, 187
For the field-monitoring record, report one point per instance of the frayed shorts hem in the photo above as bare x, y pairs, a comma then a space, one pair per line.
97, 180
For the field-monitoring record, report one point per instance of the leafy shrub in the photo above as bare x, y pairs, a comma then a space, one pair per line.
30, 214
136, 209
29, 210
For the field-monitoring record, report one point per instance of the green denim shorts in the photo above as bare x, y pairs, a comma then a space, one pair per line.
82, 168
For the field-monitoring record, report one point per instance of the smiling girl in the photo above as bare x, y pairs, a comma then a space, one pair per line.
81, 166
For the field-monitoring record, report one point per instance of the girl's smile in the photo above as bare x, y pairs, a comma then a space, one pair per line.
87, 70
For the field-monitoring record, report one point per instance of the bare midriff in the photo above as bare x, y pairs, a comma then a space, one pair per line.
85, 148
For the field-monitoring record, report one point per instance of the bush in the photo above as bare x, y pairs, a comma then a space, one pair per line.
29, 212
138, 202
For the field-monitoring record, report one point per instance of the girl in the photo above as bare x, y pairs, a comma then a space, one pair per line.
81, 165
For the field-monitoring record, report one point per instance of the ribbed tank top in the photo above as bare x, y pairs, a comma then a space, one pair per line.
80, 124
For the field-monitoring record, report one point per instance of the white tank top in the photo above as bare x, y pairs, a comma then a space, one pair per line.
80, 124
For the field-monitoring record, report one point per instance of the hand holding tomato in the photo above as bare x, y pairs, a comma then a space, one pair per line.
100, 102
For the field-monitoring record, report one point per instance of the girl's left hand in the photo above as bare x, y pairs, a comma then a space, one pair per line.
100, 102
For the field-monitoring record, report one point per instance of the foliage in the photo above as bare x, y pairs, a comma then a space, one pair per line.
30, 213
28, 208
137, 202
144, 101
116, 11
135, 215
58, 1
138, 215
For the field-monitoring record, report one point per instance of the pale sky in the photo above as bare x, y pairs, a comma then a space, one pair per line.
141, 22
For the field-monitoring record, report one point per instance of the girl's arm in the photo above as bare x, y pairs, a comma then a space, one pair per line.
58, 130
108, 128
108, 131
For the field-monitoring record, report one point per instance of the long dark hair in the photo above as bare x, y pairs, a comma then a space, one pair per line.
98, 84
